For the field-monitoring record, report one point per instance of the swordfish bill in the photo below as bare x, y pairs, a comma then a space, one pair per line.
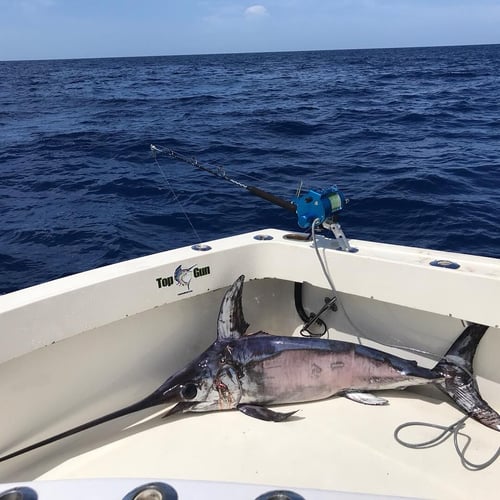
252, 372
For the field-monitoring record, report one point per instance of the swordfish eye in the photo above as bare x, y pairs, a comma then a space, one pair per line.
189, 391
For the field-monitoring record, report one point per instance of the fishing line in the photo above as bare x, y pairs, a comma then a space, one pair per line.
154, 150
447, 431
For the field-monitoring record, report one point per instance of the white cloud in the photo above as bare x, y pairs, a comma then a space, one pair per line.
256, 11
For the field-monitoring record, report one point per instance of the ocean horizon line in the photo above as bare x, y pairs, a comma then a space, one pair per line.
284, 51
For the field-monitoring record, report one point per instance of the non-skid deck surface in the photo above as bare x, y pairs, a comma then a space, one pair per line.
334, 444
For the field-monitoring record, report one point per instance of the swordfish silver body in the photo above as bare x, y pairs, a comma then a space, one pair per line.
252, 372
265, 369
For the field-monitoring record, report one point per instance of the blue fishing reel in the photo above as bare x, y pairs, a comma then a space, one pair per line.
321, 205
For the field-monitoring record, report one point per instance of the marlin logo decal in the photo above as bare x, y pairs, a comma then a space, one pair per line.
183, 277
251, 372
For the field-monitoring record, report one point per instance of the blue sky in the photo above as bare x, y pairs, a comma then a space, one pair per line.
47, 29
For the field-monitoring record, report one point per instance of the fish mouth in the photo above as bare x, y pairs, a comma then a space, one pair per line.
181, 407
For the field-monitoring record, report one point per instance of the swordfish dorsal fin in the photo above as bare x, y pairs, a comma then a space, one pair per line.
231, 323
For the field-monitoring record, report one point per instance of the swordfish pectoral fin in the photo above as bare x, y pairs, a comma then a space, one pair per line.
366, 398
263, 413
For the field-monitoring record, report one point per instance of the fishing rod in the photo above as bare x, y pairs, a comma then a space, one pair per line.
221, 174
318, 208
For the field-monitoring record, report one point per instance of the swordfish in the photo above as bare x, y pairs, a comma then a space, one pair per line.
252, 372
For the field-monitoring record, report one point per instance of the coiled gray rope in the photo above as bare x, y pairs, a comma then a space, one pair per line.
447, 431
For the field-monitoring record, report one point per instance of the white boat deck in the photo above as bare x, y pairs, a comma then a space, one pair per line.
98, 364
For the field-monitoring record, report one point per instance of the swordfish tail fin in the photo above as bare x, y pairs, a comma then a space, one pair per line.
459, 384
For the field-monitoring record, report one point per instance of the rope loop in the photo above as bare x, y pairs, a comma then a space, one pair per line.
446, 432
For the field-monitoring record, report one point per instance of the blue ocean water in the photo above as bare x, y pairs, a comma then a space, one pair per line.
412, 136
